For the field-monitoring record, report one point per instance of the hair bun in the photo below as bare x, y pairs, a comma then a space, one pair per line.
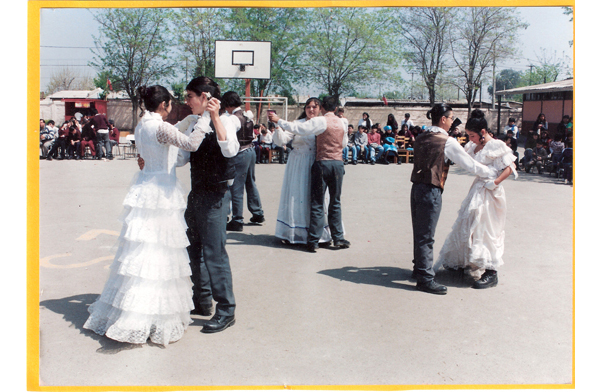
477, 113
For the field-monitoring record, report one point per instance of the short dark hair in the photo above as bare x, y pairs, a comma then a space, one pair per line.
203, 84
231, 99
438, 111
329, 103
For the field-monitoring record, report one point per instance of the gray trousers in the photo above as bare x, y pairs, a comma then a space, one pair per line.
425, 208
206, 217
326, 174
244, 163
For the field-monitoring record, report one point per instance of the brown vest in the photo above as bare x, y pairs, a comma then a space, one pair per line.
329, 143
430, 165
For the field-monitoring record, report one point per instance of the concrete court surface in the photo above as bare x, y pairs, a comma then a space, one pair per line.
337, 317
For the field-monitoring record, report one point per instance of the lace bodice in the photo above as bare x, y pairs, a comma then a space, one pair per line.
495, 154
158, 142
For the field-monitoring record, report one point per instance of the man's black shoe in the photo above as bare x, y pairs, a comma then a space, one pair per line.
218, 323
488, 279
202, 310
235, 226
354, 162
432, 287
257, 219
343, 244
312, 248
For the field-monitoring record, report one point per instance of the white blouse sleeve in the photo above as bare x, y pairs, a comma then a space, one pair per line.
314, 126
281, 137
456, 153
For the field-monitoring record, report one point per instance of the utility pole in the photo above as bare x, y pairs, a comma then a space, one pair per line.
530, 73
494, 78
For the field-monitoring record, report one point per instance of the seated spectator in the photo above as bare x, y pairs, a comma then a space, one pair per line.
511, 142
365, 121
266, 144
60, 142
561, 129
416, 131
361, 142
540, 124
545, 138
389, 146
512, 127
375, 148
47, 136
350, 147
538, 156
88, 137
530, 144
256, 141
281, 150
566, 162
556, 148
113, 135
74, 142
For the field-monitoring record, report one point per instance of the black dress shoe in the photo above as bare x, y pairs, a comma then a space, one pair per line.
257, 219
324, 244
343, 244
234, 226
218, 323
312, 248
487, 280
202, 310
432, 287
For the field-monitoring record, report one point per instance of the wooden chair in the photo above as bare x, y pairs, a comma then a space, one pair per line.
405, 153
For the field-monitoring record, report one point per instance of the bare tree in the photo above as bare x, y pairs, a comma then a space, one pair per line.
480, 37
426, 32
68, 79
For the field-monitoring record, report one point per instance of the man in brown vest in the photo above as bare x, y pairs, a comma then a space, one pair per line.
326, 172
432, 150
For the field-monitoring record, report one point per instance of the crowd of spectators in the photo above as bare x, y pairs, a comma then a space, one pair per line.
87, 131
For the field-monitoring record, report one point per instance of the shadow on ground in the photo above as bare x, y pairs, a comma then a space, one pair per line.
74, 310
391, 277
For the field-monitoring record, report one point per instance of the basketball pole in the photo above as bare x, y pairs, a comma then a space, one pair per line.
247, 94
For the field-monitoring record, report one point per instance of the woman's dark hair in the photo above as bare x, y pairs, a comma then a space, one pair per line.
438, 111
202, 84
308, 102
231, 99
477, 123
392, 122
539, 117
151, 97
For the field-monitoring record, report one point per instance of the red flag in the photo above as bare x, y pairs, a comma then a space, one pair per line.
109, 84
384, 101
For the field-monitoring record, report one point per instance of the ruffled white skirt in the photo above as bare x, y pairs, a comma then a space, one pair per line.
148, 294
293, 217
476, 241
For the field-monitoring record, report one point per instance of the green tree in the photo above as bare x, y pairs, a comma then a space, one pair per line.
426, 32
196, 30
132, 46
507, 79
283, 27
482, 35
350, 47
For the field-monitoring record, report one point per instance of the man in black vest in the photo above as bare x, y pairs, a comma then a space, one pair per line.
206, 215
244, 163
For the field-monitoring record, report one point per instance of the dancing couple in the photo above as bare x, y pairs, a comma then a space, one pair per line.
149, 293
476, 242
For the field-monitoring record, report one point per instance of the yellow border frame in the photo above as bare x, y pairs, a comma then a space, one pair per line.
33, 230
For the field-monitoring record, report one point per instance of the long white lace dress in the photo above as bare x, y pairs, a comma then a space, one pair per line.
476, 242
293, 217
148, 293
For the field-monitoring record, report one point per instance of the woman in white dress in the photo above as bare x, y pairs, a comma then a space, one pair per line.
476, 242
293, 217
148, 294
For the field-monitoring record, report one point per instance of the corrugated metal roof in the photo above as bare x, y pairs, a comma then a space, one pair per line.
563, 85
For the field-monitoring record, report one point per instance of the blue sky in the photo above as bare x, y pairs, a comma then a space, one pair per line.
548, 29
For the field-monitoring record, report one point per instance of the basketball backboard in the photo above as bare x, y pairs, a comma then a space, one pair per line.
243, 59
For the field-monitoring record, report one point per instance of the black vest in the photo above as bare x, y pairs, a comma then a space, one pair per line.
209, 169
246, 133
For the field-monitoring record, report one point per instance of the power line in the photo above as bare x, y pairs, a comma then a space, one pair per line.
67, 47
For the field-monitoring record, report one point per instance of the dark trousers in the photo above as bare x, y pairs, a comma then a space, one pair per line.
326, 175
244, 164
59, 142
206, 217
102, 140
425, 208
